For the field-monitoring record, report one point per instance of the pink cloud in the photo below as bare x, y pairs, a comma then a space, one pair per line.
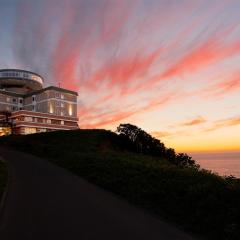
209, 52
226, 86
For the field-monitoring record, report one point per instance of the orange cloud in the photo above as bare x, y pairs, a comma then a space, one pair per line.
196, 121
224, 123
159, 134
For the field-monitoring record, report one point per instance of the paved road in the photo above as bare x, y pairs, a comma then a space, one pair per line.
46, 202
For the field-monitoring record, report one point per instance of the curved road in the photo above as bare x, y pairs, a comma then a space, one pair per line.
44, 201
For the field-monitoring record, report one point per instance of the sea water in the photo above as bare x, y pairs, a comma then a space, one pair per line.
223, 163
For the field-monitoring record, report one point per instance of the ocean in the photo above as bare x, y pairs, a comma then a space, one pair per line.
223, 163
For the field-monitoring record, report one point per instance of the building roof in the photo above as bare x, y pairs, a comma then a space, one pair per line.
51, 88
37, 92
16, 70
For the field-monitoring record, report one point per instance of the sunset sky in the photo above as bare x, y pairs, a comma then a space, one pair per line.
171, 67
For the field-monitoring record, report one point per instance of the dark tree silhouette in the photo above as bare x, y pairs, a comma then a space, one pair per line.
146, 144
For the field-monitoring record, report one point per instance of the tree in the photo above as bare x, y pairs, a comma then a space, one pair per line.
170, 155
143, 142
183, 160
146, 144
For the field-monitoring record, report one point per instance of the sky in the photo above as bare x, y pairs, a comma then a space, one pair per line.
171, 67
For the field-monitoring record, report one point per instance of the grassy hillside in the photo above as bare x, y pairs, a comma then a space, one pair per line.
197, 200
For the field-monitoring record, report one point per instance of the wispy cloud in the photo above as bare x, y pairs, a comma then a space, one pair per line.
227, 86
209, 52
233, 121
126, 57
162, 134
196, 121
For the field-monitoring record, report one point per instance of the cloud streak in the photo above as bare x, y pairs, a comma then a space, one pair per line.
195, 121
127, 58
229, 122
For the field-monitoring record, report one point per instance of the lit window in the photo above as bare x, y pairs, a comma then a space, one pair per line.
51, 108
30, 130
70, 110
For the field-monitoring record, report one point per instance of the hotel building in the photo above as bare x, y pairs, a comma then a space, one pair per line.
26, 107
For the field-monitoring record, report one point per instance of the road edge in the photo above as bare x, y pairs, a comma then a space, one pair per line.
5, 193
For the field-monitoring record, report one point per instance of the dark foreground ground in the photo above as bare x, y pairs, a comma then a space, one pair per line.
44, 201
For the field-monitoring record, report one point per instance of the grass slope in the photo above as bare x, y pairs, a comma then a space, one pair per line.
198, 200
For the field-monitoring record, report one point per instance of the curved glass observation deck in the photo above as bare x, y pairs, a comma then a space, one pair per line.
20, 81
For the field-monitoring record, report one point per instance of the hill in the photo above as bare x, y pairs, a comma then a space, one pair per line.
198, 200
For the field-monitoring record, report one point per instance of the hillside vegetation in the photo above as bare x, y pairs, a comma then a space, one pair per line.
198, 200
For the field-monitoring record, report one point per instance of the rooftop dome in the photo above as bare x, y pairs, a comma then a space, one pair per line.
20, 81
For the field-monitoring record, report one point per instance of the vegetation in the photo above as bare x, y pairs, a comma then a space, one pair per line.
3, 178
152, 177
142, 142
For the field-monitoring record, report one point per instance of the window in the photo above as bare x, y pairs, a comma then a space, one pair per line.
30, 130
14, 100
8, 99
54, 121
70, 110
33, 98
41, 130
20, 118
28, 119
20, 101
39, 120
62, 96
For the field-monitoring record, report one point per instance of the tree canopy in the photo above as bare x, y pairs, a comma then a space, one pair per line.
144, 143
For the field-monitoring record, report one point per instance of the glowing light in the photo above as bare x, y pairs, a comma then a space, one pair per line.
70, 110
50, 108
